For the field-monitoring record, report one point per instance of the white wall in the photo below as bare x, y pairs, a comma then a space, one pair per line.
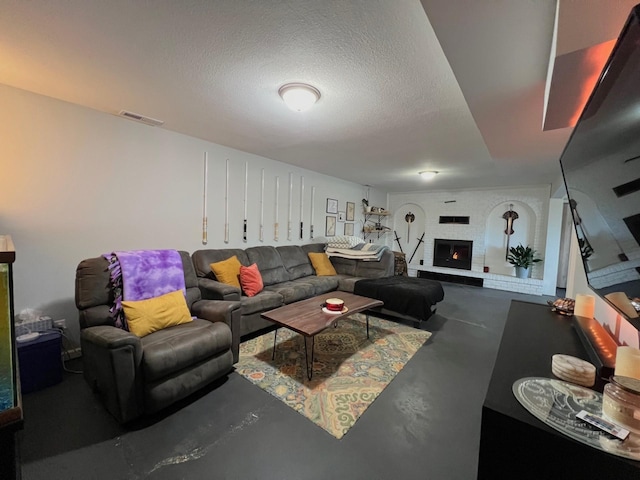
77, 183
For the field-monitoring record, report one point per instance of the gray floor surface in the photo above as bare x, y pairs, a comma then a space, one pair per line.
424, 425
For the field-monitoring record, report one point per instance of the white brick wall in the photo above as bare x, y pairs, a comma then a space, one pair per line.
477, 205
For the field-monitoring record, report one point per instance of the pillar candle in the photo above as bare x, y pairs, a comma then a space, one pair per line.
585, 306
628, 362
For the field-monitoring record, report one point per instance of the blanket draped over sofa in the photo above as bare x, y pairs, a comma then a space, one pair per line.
367, 252
143, 274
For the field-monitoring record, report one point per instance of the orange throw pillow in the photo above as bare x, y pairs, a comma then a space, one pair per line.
251, 280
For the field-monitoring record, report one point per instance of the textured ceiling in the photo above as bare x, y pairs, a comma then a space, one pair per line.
454, 86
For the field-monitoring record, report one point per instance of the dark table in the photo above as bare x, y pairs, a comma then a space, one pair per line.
515, 444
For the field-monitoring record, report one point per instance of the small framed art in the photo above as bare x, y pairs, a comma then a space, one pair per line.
332, 205
330, 229
351, 211
348, 229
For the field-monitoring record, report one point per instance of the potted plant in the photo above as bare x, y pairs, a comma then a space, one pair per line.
365, 205
522, 258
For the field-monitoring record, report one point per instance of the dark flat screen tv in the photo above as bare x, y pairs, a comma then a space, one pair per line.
601, 169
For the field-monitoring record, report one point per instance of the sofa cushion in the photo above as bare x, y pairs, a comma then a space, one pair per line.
345, 266
227, 271
263, 301
251, 280
292, 291
269, 263
346, 283
148, 316
93, 283
321, 284
175, 348
321, 264
295, 261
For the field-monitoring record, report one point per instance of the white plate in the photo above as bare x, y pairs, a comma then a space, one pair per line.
344, 310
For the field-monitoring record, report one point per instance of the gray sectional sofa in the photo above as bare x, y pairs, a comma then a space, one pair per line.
288, 276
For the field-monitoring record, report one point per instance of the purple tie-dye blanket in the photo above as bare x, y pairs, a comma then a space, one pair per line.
143, 274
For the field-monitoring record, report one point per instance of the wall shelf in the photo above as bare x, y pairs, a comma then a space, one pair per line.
373, 224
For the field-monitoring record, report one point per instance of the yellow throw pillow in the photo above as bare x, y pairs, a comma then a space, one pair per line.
147, 316
227, 271
322, 264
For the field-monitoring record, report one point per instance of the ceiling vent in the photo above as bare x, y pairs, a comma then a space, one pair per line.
141, 118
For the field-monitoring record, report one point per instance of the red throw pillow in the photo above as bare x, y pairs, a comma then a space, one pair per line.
251, 280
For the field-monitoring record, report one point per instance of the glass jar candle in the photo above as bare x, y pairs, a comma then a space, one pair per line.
621, 402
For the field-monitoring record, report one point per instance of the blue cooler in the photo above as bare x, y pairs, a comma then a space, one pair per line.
40, 361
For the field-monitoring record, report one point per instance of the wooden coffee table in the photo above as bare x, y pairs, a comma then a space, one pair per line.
307, 318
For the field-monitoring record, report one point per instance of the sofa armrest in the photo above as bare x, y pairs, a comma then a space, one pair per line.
105, 336
112, 360
222, 311
214, 290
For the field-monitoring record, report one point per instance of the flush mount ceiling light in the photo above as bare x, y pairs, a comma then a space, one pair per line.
428, 174
299, 96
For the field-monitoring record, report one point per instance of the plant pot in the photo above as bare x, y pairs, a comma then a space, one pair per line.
522, 272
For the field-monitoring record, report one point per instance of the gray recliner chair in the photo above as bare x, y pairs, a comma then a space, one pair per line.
136, 376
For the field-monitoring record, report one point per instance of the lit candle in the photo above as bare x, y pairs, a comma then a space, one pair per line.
628, 362
585, 306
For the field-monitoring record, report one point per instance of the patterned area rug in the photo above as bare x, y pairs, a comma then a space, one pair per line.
349, 370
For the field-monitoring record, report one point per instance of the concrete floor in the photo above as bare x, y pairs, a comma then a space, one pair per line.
424, 425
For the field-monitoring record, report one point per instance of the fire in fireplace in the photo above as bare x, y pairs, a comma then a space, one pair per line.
452, 253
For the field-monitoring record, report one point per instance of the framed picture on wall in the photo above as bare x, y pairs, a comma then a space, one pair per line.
332, 205
348, 229
351, 211
341, 216
330, 228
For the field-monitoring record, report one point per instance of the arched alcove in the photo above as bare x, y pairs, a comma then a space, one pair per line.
497, 242
409, 226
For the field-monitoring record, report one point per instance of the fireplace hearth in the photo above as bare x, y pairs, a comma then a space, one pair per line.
452, 253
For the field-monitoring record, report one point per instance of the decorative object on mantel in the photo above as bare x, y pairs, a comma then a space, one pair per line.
585, 305
621, 402
574, 370
563, 306
510, 216
628, 362
522, 258
557, 403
